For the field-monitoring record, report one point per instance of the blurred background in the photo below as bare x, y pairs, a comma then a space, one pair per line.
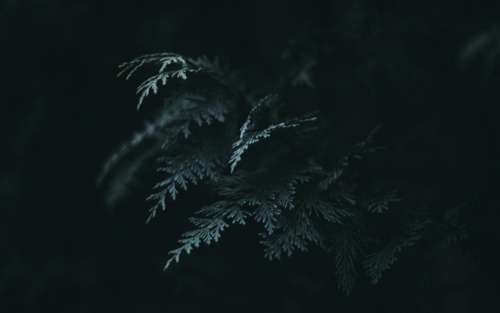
428, 70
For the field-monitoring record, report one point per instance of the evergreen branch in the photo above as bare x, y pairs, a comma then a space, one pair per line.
246, 140
347, 250
208, 231
377, 263
328, 211
294, 233
226, 210
165, 60
151, 84
182, 171
381, 203
286, 199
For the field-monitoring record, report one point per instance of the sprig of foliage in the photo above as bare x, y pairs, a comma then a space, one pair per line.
209, 230
381, 203
180, 172
379, 262
348, 249
251, 138
165, 72
301, 201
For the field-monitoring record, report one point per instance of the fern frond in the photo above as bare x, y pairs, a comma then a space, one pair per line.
379, 262
162, 58
151, 85
294, 233
172, 66
380, 204
264, 201
216, 218
347, 249
261, 105
207, 231
226, 210
244, 200
248, 139
190, 110
181, 171
165, 61
328, 211
267, 213
202, 110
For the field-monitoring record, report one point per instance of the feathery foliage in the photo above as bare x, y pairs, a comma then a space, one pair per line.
269, 169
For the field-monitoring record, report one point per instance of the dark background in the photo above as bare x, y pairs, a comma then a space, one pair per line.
63, 111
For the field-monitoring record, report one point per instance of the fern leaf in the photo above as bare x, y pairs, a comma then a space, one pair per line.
240, 146
377, 263
328, 211
265, 202
347, 249
207, 231
152, 83
163, 58
381, 203
182, 171
294, 233
226, 210
267, 214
